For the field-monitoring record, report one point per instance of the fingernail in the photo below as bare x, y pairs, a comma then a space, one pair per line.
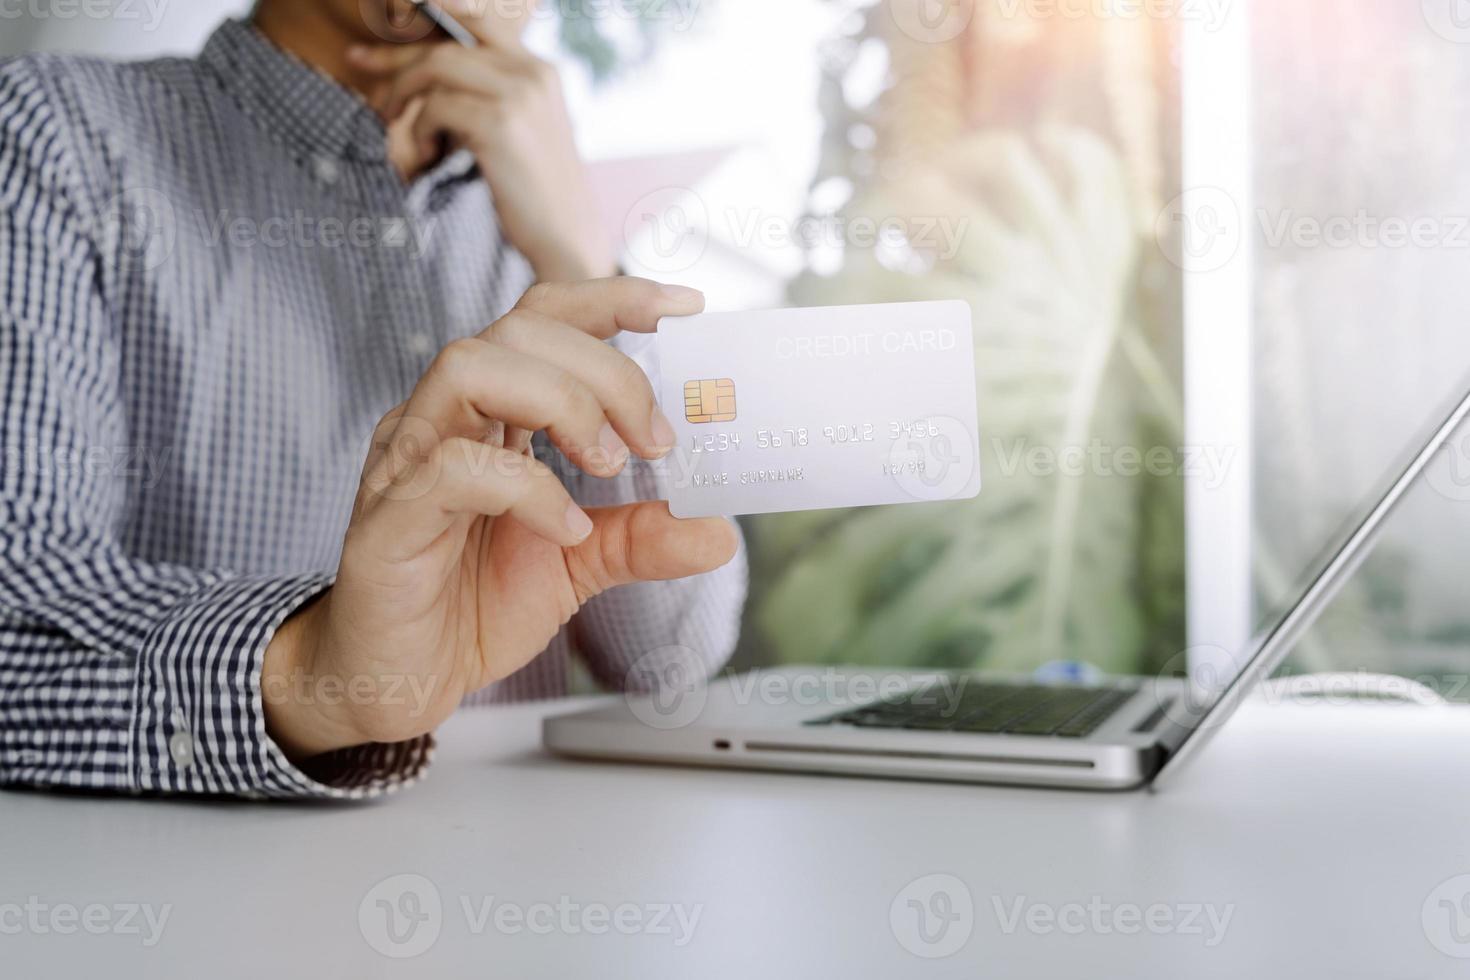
663, 432
614, 446
578, 522
684, 297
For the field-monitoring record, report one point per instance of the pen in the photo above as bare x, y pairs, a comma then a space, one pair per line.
445, 22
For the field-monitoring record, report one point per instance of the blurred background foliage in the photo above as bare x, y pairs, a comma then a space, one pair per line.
1048, 149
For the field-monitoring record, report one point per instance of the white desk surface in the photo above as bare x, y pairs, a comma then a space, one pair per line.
1325, 830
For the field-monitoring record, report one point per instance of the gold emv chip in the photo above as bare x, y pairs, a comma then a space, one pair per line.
710, 400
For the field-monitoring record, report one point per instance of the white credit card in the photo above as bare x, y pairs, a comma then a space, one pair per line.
805, 409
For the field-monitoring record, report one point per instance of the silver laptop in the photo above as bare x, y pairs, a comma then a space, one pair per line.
965, 727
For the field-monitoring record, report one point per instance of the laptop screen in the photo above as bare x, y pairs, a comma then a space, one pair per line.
1437, 460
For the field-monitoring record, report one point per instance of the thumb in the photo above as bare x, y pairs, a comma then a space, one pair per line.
643, 542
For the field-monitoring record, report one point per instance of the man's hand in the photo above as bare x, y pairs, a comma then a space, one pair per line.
465, 555
506, 106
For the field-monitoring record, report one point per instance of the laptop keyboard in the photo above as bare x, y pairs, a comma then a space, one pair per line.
991, 709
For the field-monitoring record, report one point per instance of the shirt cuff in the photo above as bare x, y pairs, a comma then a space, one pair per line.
199, 722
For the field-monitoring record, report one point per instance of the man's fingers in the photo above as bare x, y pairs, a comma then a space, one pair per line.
643, 543
473, 385
449, 68
415, 501
412, 70
602, 307
616, 379
443, 113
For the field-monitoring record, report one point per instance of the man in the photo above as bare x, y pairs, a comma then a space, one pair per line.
204, 586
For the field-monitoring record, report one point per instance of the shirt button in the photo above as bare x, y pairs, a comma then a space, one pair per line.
181, 750
421, 344
326, 169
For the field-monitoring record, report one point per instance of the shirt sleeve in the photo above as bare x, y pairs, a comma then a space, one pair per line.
643, 636
115, 673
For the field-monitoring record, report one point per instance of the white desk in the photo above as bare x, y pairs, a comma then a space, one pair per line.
1326, 828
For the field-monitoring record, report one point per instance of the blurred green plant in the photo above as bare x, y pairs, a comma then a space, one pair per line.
1074, 350
1044, 564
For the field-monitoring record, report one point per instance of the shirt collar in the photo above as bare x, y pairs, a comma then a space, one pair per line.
292, 101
